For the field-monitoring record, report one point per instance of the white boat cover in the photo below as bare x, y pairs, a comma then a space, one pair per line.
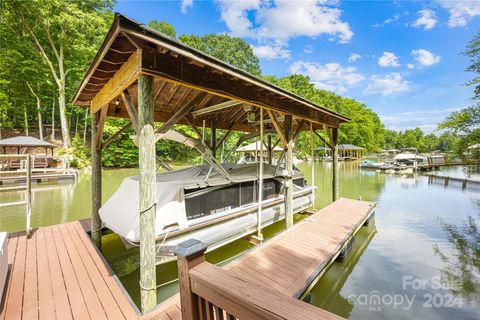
120, 213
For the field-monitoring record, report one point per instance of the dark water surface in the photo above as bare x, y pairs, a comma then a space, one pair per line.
419, 260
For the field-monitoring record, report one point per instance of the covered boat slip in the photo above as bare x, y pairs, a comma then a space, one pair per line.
147, 77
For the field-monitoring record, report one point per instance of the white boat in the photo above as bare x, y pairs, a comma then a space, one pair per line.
200, 203
410, 157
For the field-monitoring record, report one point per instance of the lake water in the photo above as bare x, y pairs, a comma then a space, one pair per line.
419, 260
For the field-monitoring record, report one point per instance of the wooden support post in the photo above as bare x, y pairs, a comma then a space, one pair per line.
189, 253
147, 172
260, 182
269, 146
213, 141
289, 168
96, 223
28, 194
312, 149
334, 137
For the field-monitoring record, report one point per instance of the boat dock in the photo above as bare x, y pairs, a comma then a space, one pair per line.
292, 262
58, 272
454, 182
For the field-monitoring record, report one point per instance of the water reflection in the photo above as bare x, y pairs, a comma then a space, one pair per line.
328, 292
462, 269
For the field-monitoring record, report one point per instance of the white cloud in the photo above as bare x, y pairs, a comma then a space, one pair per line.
330, 76
308, 49
461, 12
386, 84
410, 66
185, 5
388, 59
427, 19
282, 20
393, 19
424, 57
427, 120
354, 57
274, 51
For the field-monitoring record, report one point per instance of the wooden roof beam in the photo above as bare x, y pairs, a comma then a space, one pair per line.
177, 70
131, 110
216, 107
123, 78
278, 127
182, 112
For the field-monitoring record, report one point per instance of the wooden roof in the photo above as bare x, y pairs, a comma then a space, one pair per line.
185, 75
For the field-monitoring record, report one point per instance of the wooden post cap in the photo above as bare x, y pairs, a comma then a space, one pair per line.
190, 248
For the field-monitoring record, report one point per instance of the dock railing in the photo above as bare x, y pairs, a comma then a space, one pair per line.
210, 292
27, 164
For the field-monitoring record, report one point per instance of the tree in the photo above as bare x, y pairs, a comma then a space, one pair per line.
64, 34
231, 50
473, 51
465, 126
164, 27
365, 128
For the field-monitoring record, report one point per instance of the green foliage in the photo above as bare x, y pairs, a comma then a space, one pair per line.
473, 52
231, 50
465, 126
80, 152
365, 128
48, 44
415, 138
122, 152
164, 27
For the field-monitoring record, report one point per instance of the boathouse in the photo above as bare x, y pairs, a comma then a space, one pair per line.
345, 152
147, 77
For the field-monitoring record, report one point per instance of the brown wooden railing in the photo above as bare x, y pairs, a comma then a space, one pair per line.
213, 293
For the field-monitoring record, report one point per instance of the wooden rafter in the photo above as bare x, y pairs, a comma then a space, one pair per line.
130, 106
194, 128
101, 124
171, 94
278, 127
160, 88
321, 138
178, 115
330, 137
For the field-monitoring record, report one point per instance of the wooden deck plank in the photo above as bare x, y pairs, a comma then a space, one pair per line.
95, 308
75, 296
30, 295
106, 299
60, 297
45, 291
120, 297
15, 296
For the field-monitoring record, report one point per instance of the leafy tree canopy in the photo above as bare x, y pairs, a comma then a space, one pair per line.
164, 27
231, 50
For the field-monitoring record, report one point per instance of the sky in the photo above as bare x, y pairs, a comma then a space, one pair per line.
403, 59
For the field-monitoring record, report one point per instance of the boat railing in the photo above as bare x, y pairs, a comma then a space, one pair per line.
210, 292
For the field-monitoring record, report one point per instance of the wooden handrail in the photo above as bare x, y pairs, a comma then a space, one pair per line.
210, 292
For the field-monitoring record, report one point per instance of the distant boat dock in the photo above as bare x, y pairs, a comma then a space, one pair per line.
454, 182
58, 271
